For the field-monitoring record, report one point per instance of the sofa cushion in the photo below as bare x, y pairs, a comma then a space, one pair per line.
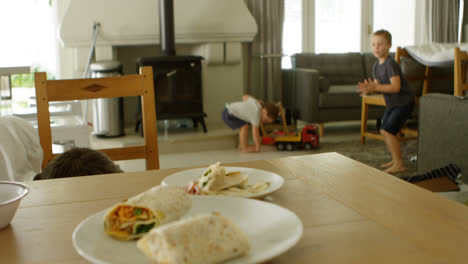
339, 68
369, 60
340, 96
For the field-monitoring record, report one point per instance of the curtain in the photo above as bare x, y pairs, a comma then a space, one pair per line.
443, 20
264, 64
421, 35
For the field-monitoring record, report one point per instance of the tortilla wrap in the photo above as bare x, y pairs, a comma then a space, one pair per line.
215, 179
157, 206
202, 239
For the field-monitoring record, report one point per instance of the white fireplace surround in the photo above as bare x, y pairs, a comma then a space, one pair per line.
217, 30
125, 22
216, 27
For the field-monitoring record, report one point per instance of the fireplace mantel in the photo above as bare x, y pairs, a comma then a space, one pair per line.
126, 22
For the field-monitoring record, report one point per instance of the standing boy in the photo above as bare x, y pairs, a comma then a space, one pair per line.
249, 111
389, 80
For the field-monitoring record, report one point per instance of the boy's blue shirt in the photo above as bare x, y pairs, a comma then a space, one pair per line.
383, 72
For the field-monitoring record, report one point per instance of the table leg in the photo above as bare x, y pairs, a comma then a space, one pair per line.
364, 111
427, 80
321, 129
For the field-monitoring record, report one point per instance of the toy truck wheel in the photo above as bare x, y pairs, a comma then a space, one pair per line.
280, 146
289, 146
307, 146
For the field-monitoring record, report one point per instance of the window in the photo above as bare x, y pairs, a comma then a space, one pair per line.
337, 26
27, 39
292, 31
398, 18
27, 35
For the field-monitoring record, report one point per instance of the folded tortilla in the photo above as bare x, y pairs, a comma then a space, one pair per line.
139, 214
215, 179
202, 239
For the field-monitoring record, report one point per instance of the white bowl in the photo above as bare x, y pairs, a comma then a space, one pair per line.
10, 197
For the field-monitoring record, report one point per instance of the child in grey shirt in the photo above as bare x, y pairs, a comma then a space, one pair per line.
399, 101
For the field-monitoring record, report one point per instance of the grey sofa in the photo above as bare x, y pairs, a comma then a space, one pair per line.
322, 87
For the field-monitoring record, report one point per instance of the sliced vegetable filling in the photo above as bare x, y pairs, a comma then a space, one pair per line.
132, 220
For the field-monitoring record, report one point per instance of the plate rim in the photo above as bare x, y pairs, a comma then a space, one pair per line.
257, 195
78, 249
288, 246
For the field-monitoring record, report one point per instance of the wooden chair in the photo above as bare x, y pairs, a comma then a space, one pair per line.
402, 52
117, 86
459, 71
268, 129
378, 100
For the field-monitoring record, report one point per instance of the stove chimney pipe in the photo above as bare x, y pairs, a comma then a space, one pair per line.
166, 27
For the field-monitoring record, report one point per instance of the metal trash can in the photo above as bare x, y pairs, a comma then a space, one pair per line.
108, 112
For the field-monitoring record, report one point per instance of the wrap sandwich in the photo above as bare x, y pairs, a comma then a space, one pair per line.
139, 214
215, 179
202, 239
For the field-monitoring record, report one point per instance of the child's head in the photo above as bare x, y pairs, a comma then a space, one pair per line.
381, 43
79, 162
269, 113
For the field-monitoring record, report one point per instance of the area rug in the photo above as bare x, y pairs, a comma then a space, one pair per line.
373, 152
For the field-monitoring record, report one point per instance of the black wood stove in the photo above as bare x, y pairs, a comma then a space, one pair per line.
177, 79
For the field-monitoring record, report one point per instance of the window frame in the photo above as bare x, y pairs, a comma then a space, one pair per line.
367, 11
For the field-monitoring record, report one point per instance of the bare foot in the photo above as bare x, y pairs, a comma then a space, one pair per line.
250, 148
388, 164
243, 148
396, 168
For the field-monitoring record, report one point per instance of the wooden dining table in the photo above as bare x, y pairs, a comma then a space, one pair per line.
351, 212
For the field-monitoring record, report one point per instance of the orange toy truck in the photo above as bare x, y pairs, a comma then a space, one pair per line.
307, 138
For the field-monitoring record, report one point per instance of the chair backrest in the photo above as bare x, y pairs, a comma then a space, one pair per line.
459, 70
116, 86
415, 73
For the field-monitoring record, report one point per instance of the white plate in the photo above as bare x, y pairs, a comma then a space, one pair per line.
182, 178
271, 229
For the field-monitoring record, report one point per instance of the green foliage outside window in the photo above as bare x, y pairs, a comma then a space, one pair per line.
27, 80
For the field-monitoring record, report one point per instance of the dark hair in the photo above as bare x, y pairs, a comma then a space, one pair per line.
79, 162
271, 109
385, 34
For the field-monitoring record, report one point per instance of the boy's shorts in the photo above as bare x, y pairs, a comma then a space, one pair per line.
232, 121
395, 117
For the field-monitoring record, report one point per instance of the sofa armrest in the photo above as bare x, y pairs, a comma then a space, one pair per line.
442, 133
301, 91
